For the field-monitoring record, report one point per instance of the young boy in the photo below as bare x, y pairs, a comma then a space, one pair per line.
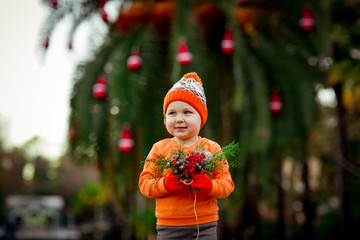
185, 212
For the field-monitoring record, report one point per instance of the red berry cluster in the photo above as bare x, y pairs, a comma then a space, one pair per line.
190, 165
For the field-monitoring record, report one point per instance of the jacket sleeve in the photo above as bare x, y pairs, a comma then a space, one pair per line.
222, 184
150, 187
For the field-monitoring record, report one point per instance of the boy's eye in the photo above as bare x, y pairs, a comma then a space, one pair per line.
171, 113
187, 112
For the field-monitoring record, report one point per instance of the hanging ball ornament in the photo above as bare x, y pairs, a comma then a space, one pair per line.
46, 41
227, 44
134, 61
307, 21
54, 3
72, 133
103, 15
183, 56
102, 11
275, 102
100, 88
70, 45
126, 142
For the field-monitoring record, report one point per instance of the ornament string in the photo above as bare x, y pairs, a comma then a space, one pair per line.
197, 223
188, 182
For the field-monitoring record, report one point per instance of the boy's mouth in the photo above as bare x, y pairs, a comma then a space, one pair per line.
180, 128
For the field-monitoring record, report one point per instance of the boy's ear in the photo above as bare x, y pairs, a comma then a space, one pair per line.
164, 120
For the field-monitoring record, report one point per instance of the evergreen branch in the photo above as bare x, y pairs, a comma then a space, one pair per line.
231, 151
186, 164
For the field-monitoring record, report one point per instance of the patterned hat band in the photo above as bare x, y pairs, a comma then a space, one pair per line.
190, 90
191, 85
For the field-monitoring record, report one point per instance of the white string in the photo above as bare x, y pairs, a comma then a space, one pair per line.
197, 223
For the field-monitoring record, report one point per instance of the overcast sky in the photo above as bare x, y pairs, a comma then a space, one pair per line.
35, 89
34, 92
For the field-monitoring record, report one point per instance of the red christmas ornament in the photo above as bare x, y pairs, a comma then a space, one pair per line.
70, 46
72, 132
46, 41
134, 61
307, 21
102, 11
183, 56
54, 3
100, 88
227, 44
103, 15
275, 102
126, 142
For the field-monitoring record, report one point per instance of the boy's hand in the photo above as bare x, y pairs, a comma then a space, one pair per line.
172, 183
202, 182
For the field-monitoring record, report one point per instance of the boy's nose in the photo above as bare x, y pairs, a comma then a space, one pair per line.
179, 118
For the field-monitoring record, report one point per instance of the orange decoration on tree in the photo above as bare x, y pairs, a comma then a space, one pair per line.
212, 20
248, 16
162, 16
136, 13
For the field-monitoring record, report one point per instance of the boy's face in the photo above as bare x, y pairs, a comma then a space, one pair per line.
183, 122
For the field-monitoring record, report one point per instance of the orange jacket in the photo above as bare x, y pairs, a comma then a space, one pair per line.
177, 208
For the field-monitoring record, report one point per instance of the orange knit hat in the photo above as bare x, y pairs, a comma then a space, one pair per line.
190, 90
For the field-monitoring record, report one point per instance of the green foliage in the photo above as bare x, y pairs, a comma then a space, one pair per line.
88, 198
231, 153
77, 11
144, 222
179, 158
271, 51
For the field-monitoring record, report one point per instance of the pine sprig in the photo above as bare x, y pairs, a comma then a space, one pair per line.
231, 152
160, 162
187, 164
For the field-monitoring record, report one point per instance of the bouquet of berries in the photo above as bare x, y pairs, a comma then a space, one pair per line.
186, 165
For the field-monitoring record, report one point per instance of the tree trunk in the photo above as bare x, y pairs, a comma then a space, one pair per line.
280, 223
340, 159
308, 206
227, 98
252, 230
248, 218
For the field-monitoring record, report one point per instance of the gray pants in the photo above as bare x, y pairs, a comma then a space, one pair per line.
207, 232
